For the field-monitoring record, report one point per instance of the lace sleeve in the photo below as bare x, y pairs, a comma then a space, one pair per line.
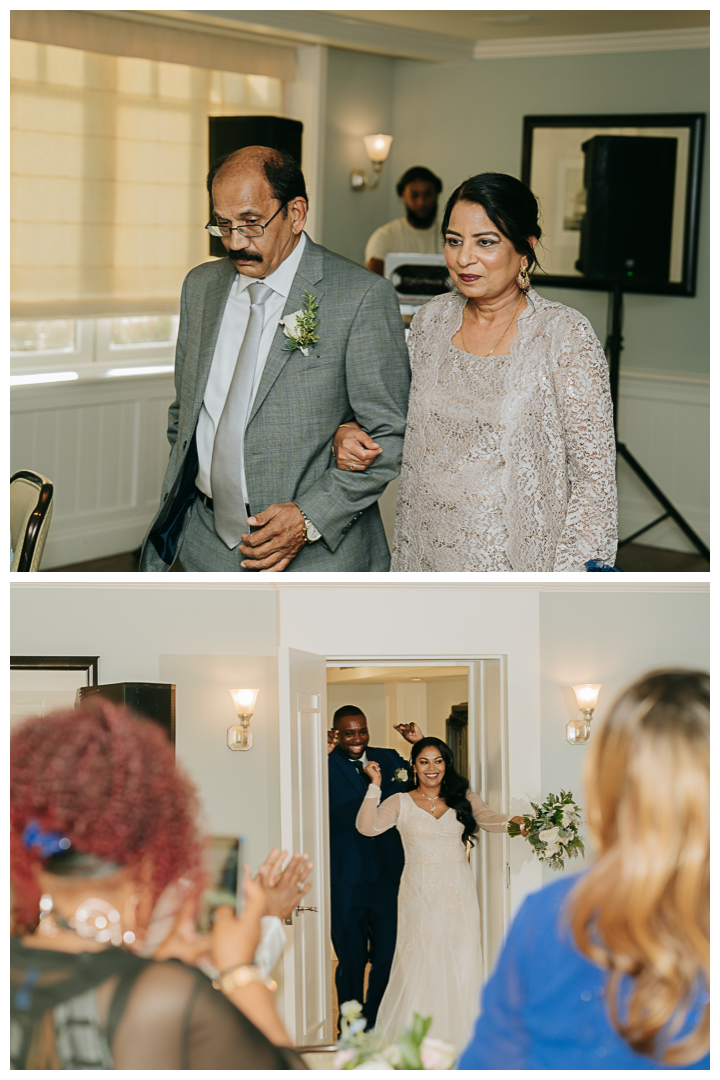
582, 387
372, 820
486, 818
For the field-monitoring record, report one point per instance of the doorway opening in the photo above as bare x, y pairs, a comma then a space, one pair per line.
463, 702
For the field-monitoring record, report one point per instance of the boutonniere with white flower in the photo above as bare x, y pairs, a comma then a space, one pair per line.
553, 830
401, 776
301, 326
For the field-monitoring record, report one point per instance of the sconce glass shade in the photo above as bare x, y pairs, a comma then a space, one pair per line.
587, 694
244, 701
378, 146
240, 736
577, 731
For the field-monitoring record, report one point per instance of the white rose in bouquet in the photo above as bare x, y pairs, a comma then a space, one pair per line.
436, 1054
549, 836
550, 850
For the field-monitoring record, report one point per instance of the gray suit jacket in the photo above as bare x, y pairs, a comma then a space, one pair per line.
358, 369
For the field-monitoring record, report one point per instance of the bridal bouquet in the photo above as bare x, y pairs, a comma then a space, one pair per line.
553, 830
360, 1049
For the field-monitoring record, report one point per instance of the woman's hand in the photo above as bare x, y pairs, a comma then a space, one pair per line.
234, 939
353, 448
372, 769
284, 889
521, 822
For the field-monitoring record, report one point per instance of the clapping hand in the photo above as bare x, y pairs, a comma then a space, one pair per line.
372, 769
234, 939
410, 732
332, 738
284, 889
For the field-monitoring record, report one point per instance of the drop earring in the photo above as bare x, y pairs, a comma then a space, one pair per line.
523, 279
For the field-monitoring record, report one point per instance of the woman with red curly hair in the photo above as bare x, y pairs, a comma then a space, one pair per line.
102, 823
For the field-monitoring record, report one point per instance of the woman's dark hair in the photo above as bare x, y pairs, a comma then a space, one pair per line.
418, 172
453, 788
510, 205
282, 171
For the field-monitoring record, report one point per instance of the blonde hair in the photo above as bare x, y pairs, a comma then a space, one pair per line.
643, 909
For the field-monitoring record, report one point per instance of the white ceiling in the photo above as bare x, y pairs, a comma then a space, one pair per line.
477, 25
363, 675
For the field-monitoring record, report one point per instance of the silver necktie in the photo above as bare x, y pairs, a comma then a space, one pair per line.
227, 469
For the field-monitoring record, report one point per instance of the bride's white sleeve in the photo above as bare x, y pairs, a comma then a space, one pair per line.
484, 816
373, 819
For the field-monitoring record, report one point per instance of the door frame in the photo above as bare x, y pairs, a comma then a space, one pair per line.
476, 735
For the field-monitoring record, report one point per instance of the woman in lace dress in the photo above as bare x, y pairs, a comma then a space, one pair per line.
509, 460
437, 967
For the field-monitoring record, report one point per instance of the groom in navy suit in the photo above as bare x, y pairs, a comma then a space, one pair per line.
364, 871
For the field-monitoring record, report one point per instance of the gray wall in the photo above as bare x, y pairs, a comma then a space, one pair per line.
459, 119
610, 639
359, 102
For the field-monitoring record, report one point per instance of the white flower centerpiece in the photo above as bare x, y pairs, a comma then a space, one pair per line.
301, 326
360, 1049
553, 830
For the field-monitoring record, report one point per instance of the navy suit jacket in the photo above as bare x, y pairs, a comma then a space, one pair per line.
355, 858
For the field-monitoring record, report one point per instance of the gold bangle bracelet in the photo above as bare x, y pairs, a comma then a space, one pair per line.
241, 976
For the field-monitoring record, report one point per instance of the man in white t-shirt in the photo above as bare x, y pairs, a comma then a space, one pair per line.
419, 230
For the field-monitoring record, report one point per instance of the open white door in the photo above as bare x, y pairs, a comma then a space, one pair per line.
304, 827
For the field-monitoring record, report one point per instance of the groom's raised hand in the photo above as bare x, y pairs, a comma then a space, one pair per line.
410, 732
279, 537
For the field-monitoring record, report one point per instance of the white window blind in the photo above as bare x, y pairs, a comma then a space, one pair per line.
108, 161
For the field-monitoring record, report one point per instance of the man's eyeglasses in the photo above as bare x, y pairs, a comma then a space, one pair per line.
244, 230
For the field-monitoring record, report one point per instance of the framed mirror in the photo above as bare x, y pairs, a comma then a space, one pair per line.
41, 684
553, 167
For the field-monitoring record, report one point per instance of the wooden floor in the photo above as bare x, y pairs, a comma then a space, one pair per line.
637, 558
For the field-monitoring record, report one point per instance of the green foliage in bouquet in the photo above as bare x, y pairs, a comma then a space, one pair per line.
553, 830
360, 1049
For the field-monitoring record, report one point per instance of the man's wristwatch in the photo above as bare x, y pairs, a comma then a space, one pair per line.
310, 533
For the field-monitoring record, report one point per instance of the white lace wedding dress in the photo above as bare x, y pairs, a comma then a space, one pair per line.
437, 967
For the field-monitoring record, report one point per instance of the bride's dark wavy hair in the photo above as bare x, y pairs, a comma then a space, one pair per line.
453, 788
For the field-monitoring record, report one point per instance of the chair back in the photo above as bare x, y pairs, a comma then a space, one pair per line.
31, 502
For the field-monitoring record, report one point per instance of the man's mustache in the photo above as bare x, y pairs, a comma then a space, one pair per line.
245, 255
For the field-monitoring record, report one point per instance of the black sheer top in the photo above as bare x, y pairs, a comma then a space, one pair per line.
112, 1010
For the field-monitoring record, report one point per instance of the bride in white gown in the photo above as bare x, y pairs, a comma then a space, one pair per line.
437, 967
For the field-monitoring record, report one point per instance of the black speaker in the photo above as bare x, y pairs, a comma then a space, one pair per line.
626, 233
229, 133
155, 701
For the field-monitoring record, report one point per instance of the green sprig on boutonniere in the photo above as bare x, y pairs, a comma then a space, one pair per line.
301, 326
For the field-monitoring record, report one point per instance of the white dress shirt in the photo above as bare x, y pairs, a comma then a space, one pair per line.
227, 347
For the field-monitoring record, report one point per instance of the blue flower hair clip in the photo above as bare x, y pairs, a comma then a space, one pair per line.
46, 844
598, 566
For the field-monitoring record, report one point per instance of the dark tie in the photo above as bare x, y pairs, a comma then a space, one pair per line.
361, 772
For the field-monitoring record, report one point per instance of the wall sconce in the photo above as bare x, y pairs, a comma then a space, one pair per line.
577, 731
240, 736
378, 148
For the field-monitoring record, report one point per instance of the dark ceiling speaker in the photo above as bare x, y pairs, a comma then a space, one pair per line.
626, 233
229, 133
153, 701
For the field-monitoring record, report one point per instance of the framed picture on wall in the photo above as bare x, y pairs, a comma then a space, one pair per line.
553, 167
41, 684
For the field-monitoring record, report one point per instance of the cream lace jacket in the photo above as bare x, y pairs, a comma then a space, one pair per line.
556, 444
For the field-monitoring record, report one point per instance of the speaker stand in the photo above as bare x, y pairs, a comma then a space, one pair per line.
613, 349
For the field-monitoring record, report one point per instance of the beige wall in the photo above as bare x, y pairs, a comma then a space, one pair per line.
610, 639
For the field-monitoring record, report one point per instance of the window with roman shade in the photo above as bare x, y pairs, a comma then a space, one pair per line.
108, 161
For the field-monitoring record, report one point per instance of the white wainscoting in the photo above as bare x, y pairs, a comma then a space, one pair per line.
102, 443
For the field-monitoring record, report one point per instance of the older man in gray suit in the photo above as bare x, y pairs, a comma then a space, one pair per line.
251, 484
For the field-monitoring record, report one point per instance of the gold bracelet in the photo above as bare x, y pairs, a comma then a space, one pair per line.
239, 977
345, 425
